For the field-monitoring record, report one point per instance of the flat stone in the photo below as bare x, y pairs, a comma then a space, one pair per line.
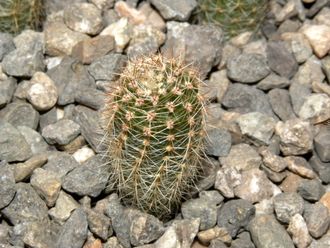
7, 186
299, 231
300, 166
20, 114
296, 137
316, 108
13, 146
255, 186
84, 18
87, 51
235, 215
88, 179
247, 68
280, 60
319, 38
74, 231
6, 44
266, 232
311, 190
65, 204
47, 184
273, 81
281, 104
244, 99
7, 88
218, 142
37, 144
26, 206
321, 168
257, 126
287, 205
24, 170
318, 219
61, 132
175, 10
241, 157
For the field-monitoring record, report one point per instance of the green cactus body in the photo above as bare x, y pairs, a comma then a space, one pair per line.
233, 16
17, 15
154, 125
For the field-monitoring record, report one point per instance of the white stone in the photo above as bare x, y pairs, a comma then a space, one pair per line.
299, 232
316, 108
83, 154
319, 37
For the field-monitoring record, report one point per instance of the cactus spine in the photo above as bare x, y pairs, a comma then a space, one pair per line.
17, 15
154, 133
233, 16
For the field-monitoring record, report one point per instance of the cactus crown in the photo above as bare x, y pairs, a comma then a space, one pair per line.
17, 15
233, 16
154, 125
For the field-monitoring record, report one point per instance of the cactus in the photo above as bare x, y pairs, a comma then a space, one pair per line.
233, 16
17, 15
154, 123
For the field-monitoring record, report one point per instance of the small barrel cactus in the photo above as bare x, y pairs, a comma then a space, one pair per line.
154, 123
233, 16
17, 15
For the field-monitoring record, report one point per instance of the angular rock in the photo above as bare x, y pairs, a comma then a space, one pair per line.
287, 205
90, 97
315, 108
318, 219
88, 179
20, 114
323, 242
298, 93
273, 81
7, 186
37, 144
13, 146
291, 183
225, 181
272, 161
311, 190
299, 231
7, 88
322, 145
24, 170
321, 168
175, 10
296, 136
99, 224
220, 234
61, 132
83, 154
218, 142
319, 38
266, 232
74, 231
26, 206
247, 68
300, 166
281, 104
280, 60
6, 44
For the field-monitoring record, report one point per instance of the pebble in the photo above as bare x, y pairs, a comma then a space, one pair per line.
247, 68
281, 104
266, 232
84, 18
273, 81
317, 219
13, 146
298, 230
315, 108
300, 166
42, 93
83, 154
7, 186
286, 205
47, 184
24, 170
319, 38
218, 142
296, 137
7, 88
175, 10
61, 132
311, 190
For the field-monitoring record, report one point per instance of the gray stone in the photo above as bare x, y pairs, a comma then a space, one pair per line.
20, 114
300, 166
243, 240
74, 231
226, 179
7, 88
4, 233
218, 142
146, 47
89, 121
298, 93
266, 232
321, 168
315, 108
281, 104
244, 99
322, 144
6, 44
47, 184
60, 163
199, 45
247, 68
216, 233
272, 161
106, 68
317, 219
90, 97
311, 190
84, 18
88, 179
217, 243
26, 206
257, 126
112, 243
61, 132
299, 232
296, 136
235, 215
280, 60
99, 224
68, 77
47, 118
287, 205
13, 146
24, 170
326, 66
37, 144
7, 185
324, 241
275, 177
175, 10
273, 81
300, 46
